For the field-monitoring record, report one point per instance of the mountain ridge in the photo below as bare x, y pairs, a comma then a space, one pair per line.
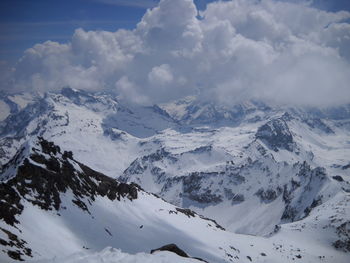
256, 169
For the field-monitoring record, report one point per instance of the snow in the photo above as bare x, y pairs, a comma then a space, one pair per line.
22, 100
4, 110
81, 131
110, 136
178, 109
113, 255
42, 229
75, 239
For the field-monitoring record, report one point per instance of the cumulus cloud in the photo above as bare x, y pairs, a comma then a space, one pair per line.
234, 50
161, 76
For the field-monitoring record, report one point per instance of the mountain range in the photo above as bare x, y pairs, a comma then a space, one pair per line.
90, 177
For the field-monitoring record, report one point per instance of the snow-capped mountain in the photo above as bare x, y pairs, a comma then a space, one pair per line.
276, 178
50, 198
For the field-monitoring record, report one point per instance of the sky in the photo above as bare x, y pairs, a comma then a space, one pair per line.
24, 23
152, 52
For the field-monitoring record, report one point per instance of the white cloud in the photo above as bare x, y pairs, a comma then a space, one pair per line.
128, 91
160, 76
239, 49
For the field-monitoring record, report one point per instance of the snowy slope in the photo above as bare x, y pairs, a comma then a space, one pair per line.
59, 199
10, 104
228, 171
113, 255
63, 208
250, 167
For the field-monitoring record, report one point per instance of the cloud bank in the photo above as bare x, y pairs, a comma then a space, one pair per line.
234, 50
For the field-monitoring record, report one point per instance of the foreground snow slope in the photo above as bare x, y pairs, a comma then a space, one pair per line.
112, 255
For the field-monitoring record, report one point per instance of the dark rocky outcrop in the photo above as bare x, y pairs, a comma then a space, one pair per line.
193, 189
172, 248
343, 245
346, 166
17, 246
175, 249
42, 186
307, 180
343, 232
190, 213
187, 212
269, 195
276, 135
235, 198
338, 178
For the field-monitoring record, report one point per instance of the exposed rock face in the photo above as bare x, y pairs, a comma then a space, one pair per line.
172, 248
343, 243
276, 135
18, 246
268, 195
298, 186
17, 123
175, 249
295, 194
190, 213
47, 173
193, 189
317, 123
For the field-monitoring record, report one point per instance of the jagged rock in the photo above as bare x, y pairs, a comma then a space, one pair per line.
346, 166
338, 178
172, 248
314, 203
193, 189
307, 179
343, 232
276, 134
268, 195
43, 186
235, 198
175, 249
42, 177
343, 245
187, 212
17, 247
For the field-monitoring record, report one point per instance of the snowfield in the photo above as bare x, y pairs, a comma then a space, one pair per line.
113, 255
